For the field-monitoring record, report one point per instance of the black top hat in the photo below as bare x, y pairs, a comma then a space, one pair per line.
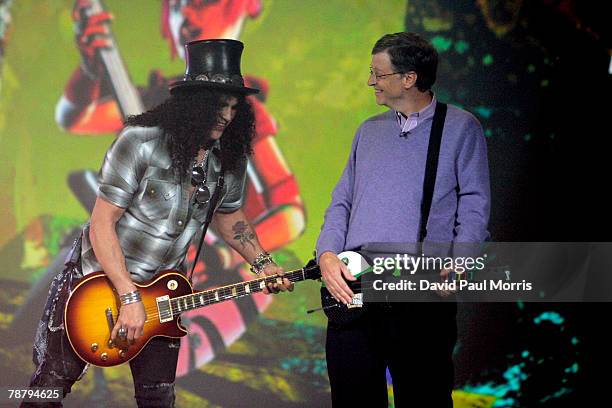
213, 64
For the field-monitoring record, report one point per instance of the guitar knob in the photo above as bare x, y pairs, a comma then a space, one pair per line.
94, 347
111, 344
122, 354
104, 356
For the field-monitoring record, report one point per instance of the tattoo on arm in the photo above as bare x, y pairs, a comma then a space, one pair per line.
243, 234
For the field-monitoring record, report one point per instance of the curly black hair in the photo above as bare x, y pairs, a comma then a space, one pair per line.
188, 113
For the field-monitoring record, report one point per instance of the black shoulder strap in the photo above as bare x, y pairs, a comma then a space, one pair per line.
431, 168
211, 209
73, 257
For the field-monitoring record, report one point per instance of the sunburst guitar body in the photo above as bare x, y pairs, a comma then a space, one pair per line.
93, 307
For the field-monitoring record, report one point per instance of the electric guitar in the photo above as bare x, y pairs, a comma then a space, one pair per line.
93, 307
342, 314
83, 183
338, 312
125, 92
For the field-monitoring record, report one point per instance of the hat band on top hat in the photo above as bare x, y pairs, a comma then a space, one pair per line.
235, 80
213, 64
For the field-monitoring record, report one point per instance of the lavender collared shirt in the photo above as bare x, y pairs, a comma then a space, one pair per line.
378, 197
407, 123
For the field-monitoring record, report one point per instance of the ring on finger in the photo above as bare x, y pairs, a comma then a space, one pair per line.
122, 332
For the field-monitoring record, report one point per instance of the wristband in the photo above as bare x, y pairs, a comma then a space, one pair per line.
130, 297
260, 262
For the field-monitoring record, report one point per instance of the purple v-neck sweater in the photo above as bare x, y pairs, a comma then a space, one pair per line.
378, 197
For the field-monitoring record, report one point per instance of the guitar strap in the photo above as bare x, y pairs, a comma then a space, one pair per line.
211, 210
431, 168
73, 258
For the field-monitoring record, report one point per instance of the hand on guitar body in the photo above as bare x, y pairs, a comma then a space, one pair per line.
104, 240
132, 318
334, 272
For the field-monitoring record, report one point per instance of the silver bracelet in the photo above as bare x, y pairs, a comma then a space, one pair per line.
260, 262
130, 297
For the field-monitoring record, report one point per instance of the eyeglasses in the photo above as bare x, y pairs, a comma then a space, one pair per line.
379, 76
198, 180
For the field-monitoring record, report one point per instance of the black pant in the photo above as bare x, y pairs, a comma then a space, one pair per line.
153, 370
57, 365
414, 340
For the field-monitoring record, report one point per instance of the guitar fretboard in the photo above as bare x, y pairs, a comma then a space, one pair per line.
211, 296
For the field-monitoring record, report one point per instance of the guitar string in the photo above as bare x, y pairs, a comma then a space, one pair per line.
222, 292
225, 293
152, 318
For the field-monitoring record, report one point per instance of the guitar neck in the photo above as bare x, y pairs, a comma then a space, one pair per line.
126, 94
221, 294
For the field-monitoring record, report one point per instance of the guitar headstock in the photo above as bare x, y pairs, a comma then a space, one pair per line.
311, 270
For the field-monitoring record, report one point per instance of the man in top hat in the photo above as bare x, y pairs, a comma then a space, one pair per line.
89, 106
157, 182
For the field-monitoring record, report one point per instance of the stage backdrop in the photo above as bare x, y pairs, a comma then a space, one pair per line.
311, 59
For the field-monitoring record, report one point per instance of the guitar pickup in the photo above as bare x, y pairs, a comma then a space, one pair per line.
164, 308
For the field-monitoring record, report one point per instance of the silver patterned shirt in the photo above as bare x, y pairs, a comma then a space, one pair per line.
160, 218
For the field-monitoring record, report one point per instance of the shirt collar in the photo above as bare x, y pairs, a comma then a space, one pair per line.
417, 117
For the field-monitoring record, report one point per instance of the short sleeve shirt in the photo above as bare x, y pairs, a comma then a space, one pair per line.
160, 218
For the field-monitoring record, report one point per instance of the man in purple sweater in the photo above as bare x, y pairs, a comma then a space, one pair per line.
378, 200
